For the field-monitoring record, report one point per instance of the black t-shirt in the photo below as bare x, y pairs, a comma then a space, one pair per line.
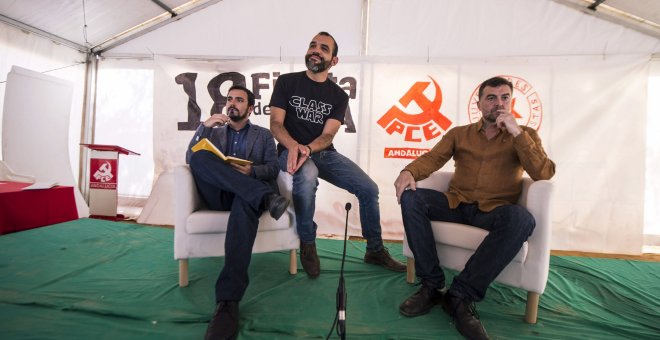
308, 105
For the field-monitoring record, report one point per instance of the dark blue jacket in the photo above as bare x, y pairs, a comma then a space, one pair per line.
260, 149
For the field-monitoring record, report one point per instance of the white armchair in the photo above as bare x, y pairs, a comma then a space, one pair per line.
201, 233
455, 243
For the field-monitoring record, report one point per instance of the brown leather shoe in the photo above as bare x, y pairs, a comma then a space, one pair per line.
421, 302
224, 324
465, 317
310, 260
383, 258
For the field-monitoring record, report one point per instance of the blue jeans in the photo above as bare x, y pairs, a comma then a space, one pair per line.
340, 171
225, 189
509, 226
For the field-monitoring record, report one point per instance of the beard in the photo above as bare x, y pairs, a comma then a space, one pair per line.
491, 116
235, 115
316, 67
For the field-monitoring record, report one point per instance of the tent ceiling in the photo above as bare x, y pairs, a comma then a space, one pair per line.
99, 25
95, 25
640, 15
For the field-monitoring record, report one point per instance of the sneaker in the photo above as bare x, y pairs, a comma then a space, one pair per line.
465, 317
276, 205
383, 258
421, 302
224, 324
310, 260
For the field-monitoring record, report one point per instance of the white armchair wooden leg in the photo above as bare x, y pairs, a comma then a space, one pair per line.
183, 273
293, 262
531, 311
410, 270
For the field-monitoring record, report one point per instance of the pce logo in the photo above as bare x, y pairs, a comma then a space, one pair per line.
421, 126
525, 104
104, 173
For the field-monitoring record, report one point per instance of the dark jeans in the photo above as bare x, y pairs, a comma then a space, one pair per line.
509, 226
225, 189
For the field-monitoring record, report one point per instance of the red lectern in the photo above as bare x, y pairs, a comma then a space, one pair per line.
103, 171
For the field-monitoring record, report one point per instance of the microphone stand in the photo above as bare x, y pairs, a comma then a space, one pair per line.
340, 317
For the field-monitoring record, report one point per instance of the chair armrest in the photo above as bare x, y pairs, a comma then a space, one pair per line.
538, 201
186, 197
438, 181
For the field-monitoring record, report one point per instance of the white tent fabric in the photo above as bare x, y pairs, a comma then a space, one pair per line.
100, 25
125, 117
652, 194
94, 24
395, 28
475, 28
256, 28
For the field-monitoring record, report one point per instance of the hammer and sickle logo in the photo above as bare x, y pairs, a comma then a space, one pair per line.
104, 173
430, 121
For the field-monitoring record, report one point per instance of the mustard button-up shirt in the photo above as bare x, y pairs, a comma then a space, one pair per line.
488, 172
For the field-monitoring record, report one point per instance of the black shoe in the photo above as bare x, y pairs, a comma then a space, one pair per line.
383, 258
310, 260
465, 317
224, 324
276, 205
421, 302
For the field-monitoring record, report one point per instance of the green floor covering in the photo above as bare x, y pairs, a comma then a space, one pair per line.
93, 279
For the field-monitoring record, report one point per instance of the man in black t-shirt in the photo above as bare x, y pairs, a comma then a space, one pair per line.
307, 110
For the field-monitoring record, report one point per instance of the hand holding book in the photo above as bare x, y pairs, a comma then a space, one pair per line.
245, 169
206, 144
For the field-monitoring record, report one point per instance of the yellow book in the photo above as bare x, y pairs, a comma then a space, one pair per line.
206, 144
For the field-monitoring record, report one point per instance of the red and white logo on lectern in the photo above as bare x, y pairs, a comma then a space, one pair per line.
103, 174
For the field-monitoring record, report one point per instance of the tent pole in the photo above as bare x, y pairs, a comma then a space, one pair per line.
88, 121
364, 48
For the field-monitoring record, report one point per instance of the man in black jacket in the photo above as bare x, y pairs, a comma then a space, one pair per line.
245, 190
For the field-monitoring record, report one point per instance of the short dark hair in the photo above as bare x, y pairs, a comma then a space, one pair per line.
494, 82
250, 95
335, 50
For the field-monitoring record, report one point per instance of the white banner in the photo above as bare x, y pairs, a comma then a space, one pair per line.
589, 111
188, 92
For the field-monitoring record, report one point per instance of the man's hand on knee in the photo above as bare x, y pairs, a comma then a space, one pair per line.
405, 181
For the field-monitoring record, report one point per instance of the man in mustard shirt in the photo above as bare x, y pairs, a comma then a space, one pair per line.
490, 157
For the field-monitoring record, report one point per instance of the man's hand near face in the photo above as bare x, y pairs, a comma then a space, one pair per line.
507, 122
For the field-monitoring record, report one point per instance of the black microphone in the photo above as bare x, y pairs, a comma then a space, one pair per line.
340, 317
341, 308
341, 290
